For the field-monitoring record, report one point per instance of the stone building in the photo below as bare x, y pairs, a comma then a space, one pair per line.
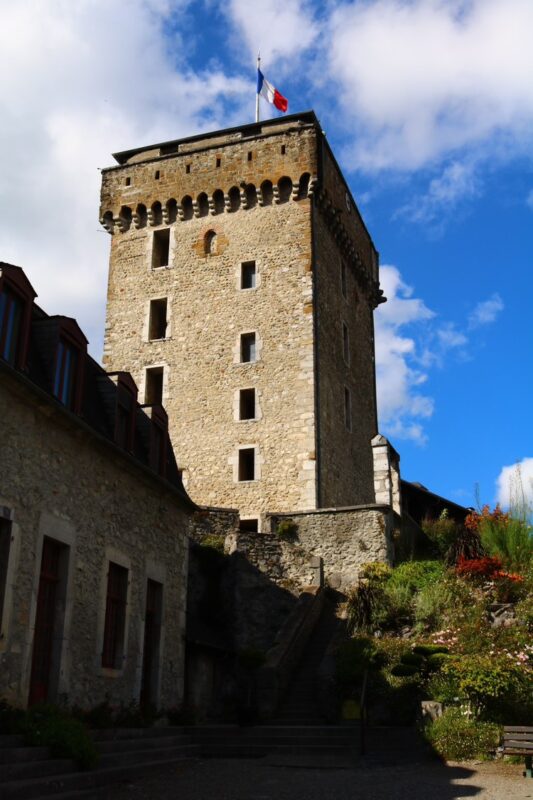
93, 522
242, 286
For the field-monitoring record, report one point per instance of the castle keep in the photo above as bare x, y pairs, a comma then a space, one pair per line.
241, 293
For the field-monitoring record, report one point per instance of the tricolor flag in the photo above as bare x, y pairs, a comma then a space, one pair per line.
270, 93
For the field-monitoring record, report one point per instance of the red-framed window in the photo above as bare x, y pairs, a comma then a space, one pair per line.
115, 616
16, 298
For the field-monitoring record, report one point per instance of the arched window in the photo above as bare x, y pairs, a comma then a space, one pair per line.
267, 193
107, 221
157, 213
186, 206
125, 218
218, 201
203, 205
251, 196
141, 215
234, 198
210, 243
284, 189
172, 209
303, 186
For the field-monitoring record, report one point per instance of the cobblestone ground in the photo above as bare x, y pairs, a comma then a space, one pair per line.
264, 779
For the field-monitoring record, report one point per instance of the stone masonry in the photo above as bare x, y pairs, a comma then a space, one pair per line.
270, 195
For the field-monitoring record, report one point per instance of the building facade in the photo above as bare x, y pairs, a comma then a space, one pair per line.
93, 523
241, 292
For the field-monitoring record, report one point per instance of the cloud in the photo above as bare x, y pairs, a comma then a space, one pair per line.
485, 312
514, 485
424, 79
77, 82
279, 29
401, 404
457, 183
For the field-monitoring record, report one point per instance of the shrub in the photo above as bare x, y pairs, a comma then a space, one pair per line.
430, 649
437, 661
396, 607
442, 531
375, 571
363, 604
287, 529
213, 541
456, 737
415, 575
433, 604
404, 670
510, 541
478, 568
66, 737
416, 659
485, 680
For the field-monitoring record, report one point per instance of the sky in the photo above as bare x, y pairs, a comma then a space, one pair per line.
428, 105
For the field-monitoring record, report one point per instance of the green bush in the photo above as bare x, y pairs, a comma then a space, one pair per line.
213, 541
353, 658
456, 737
415, 575
66, 737
442, 532
376, 571
363, 606
287, 529
405, 670
487, 681
430, 649
415, 659
434, 603
436, 661
510, 540
396, 607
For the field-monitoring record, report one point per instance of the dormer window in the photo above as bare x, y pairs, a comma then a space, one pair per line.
16, 298
69, 363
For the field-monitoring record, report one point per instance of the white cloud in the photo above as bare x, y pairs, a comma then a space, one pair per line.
423, 79
401, 405
514, 485
457, 183
279, 29
485, 312
79, 80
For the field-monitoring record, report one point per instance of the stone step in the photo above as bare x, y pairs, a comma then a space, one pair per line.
316, 729
35, 769
69, 785
122, 745
23, 752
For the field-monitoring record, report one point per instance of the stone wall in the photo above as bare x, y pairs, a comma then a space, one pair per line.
345, 538
284, 562
59, 480
213, 522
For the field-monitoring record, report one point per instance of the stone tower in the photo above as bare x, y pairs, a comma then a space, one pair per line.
242, 285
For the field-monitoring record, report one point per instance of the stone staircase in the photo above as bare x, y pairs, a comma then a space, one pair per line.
300, 705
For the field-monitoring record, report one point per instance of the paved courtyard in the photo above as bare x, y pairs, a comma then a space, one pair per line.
298, 779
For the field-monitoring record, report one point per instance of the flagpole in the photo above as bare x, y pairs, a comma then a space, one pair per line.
256, 92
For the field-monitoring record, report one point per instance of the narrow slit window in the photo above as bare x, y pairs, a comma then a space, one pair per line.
343, 280
153, 394
128, 181
219, 162
247, 404
283, 150
115, 616
250, 156
347, 409
158, 319
248, 275
5, 546
161, 248
187, 168
157, 175
248, 347
247, 464
345, 343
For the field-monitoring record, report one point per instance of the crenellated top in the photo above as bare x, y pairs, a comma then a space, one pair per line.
244, 196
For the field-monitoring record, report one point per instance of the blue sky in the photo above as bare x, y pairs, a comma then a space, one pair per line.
428, 105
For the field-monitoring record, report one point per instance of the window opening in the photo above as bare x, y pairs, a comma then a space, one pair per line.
347, 409
11, 312
210, 243
343, 280
219, 162
247, 404
157, 175
345, 343
187, 168
283, 149
5, 547
158, 319
247, 464
153, 394
250, 156
115, 616
128, 181
251, 525
65, 374
161, 248
248, 275
248, 347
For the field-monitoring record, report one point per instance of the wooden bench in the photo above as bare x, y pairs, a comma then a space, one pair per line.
518, 741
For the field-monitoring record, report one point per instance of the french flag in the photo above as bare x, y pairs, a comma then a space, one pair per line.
270, 93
